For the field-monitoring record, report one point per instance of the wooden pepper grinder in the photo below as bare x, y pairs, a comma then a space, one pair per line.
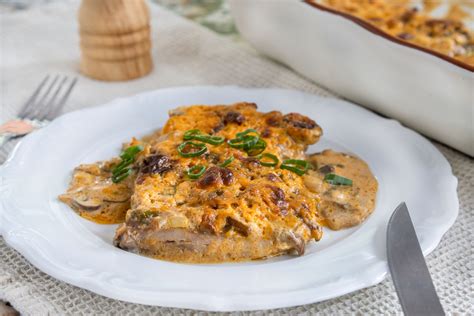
115, 39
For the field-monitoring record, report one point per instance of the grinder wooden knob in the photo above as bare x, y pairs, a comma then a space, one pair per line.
115, 39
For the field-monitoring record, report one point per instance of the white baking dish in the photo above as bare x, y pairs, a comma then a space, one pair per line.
423, 90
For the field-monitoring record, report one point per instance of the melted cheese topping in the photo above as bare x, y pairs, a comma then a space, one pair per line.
448, 36
251, 197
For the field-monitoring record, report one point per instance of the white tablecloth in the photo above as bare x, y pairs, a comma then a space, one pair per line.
44, 40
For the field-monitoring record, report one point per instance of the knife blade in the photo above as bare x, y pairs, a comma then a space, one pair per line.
407, 265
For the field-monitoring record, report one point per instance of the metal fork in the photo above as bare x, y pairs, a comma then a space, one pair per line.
42, 106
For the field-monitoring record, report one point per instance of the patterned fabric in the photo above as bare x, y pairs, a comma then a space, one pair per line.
213, 14
187, 54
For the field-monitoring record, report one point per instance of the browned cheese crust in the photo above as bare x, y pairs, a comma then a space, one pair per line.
240, 212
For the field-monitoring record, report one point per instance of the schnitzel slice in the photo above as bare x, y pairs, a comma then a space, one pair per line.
242, 210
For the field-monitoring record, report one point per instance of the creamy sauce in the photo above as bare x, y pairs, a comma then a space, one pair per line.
342, 206
94, 196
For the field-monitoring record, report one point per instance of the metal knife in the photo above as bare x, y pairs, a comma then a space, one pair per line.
410, 274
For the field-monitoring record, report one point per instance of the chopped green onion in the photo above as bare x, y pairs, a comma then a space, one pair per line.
258, 148
196, 172
188, 135
119, 172
119, 177
227, 162
213, 140
246, 132
274, 160
130, 152
295, 165
334, 179
123, 170
195, 134
200, 149
252, 144
245, 143
121, 166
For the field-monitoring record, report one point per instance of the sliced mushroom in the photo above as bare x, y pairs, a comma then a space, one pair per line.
296, 242
88, 205
238, 226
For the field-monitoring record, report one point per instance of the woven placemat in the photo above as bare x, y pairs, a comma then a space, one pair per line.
187, 54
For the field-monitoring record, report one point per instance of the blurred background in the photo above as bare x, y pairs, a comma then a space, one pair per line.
214, 14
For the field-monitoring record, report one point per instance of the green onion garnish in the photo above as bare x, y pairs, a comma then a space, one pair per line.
334, 179
199, 149
248, 141
116, 178
195, 134
122, 166
130, 152
244, 143
196, 172
274, 160
258, 148
227, 162
123, 170
188, 135
295, 165
120, 171
213, 140
246, 132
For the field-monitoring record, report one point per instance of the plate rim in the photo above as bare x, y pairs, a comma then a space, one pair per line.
216, 303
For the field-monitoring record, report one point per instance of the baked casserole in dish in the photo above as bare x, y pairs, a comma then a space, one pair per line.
408, 60
448, 36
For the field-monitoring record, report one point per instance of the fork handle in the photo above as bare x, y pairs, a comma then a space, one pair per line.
17, 128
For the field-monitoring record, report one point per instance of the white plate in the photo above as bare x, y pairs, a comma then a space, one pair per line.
71, 249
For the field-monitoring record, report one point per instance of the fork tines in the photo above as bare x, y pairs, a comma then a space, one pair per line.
48, 99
